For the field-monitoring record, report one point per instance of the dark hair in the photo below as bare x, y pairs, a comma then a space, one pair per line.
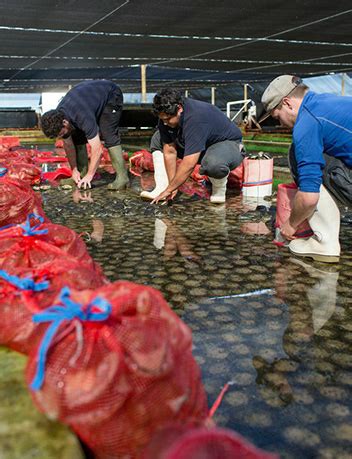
51, 123
167, 101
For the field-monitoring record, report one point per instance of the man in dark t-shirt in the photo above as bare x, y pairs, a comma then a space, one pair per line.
198, 133
89, 112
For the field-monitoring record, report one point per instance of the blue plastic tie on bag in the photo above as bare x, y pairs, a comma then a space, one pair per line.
32, 230
25, 283
68, 310
3, 171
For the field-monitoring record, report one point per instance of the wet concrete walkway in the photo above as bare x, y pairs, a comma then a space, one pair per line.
24, 432
278, 328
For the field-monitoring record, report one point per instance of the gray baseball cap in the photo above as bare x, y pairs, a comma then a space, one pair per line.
279, 88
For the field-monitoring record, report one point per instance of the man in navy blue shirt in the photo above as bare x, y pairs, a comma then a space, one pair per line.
198, 133
321, 160
89, 112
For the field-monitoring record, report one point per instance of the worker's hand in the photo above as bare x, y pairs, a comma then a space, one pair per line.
288, 231
76, 176
85, 182
165, 196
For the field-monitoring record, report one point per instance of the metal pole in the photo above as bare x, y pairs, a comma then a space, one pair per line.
186, 93
343, 85
213, 95
144, 83
245, 96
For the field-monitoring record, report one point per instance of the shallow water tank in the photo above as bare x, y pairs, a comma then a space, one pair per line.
18, 118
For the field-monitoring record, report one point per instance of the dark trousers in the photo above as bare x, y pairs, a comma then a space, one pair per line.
217, 161
337, 177
108, 122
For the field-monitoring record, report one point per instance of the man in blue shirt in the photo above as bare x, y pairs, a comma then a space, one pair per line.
198, 133
89, 112
321, 159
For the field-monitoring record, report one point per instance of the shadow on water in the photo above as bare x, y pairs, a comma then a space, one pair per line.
278, 328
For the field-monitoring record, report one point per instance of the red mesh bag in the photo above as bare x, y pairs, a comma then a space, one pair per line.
235, 178
26, 291
286, 193
191, 188
187, 442
62, 272
117, 380
142, 159
19, 298
59, 174
14, 156
9, 141
197, 177
34, 244
28, 173
17, 200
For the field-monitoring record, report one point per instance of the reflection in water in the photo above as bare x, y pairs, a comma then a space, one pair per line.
98, 230
159, 234
289, 353
176, 242
306, 318
80, 195
97, 234
322, 295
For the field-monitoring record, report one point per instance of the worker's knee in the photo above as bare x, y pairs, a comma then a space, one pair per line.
213, 168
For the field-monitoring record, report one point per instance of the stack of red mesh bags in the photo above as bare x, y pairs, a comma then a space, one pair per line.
19, 164
38, 252
28, 173
116, 379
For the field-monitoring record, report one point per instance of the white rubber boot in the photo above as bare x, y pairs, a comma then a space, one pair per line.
218, 193
160, 177
325, 222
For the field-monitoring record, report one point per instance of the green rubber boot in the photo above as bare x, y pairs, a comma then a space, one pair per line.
82, 159
121, 181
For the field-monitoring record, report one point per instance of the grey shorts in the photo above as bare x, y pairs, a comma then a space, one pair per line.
217, 161
220, 158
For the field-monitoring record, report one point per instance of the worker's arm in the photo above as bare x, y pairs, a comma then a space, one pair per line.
303, 207
184, 170
170, 160
96, 152
71, 154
